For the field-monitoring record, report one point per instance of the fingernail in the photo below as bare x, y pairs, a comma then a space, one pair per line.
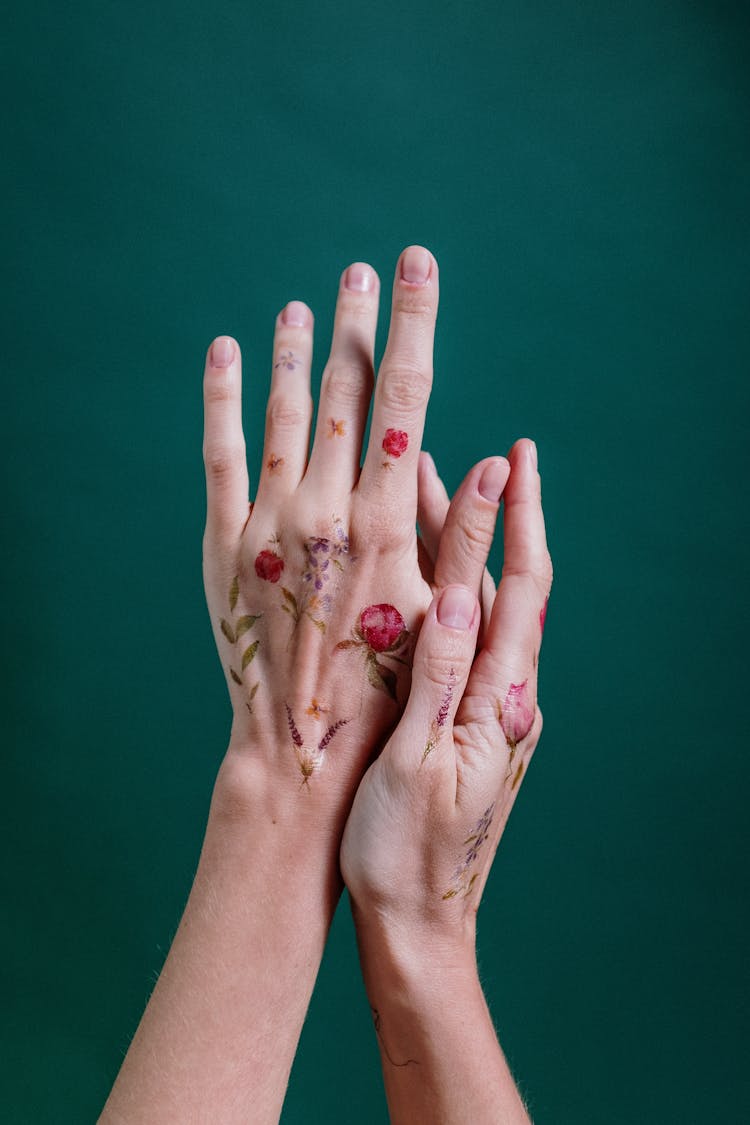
415, 265
533, 456
295, 314
222, 351
492, 481
457, 607
359, 277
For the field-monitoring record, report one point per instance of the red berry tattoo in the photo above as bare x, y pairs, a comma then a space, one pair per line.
395, 442
269, 566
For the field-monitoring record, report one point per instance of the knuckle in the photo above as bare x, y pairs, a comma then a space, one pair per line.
379, 528
345, 382
439, 669
223, 461
475, 535
356, 306
412, 303
284, 413
537, 570
405, 387
219, 389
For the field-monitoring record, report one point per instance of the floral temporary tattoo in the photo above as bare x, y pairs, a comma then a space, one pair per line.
380, 632
395, 442
274, 463
324, 558
288, 360
309, 760
335, 428
464, 878
436, 729
316, 709
234, 630
516, 715
269, 565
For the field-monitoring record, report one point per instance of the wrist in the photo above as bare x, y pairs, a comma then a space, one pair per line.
257, 838
408, 955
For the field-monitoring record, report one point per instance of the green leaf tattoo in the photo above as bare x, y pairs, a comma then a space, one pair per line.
234, 630
246, 623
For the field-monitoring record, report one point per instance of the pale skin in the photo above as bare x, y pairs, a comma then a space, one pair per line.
321, 597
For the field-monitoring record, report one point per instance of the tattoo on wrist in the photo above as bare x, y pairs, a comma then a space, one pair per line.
377, 1023
309, 759
233, 630
464, 878
380, 632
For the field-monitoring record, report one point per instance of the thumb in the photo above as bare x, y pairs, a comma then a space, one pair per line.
442, 662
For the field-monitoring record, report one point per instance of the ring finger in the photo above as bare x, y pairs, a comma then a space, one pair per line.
289, 408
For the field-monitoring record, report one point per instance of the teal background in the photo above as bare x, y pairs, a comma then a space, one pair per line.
581, 172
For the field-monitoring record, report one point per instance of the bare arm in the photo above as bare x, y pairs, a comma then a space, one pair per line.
430, 812
315, 596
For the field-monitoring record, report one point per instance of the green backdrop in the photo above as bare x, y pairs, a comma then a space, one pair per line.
581, 172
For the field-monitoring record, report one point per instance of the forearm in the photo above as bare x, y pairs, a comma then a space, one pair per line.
440, 1055
218, 1037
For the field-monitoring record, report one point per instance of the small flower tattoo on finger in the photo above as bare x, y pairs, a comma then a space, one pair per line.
436, 729
516, 715
287, 360
395, 442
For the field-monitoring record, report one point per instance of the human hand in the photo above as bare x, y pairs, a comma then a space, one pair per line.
429, 813
315, 591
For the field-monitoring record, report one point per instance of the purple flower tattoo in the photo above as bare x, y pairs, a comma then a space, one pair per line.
463, 878
438, 722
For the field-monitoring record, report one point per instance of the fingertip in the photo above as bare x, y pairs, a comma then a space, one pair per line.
523, 449
222, 351
296, 314
493, 479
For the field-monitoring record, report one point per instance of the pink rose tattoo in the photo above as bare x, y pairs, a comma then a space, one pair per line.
380, 631
269, 566
516, 715
395, 442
